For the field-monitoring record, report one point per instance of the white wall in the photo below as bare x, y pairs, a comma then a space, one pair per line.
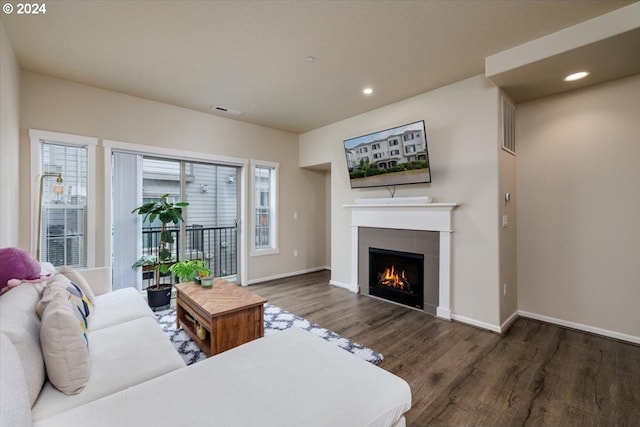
327, 210
578, 178
462, 137
9, 142
57, 105
508, 237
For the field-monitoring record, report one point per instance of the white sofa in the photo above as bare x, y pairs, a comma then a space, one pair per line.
291, 378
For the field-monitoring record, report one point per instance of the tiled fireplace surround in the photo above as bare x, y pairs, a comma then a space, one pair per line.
410, 224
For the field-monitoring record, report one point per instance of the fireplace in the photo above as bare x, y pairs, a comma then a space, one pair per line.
397, 276
409, 224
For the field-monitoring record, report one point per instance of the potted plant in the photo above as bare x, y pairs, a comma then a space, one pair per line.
203, 273
206, 281
167, 212
190, 270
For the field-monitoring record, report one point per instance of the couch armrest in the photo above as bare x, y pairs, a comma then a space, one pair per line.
99, 278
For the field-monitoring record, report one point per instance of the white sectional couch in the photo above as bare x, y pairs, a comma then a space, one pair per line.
291, 378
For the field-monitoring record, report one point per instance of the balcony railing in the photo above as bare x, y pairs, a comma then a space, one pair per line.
216, 246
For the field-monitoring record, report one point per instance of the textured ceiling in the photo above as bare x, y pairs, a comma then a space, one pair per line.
250, 55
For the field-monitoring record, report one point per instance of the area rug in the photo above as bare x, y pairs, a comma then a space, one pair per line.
275, 320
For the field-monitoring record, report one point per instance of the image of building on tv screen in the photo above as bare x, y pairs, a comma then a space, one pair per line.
391, 157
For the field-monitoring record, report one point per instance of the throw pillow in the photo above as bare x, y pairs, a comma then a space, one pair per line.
17, 265
79, 280
64, 342
75, 295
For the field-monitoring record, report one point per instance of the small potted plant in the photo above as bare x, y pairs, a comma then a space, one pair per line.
202, 274
206, 281
190, 270
167, 212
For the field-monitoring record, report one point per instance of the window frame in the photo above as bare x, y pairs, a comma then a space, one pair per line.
274, 208
37, 137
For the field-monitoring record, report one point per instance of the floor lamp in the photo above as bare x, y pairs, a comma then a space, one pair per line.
58, 189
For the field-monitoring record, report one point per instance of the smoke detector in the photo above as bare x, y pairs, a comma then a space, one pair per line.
221, 109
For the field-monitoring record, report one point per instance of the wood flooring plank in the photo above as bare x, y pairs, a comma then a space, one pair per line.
536, 374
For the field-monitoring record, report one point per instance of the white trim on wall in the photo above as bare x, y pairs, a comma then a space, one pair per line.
107, 208
351, 287
477, 323
275, 208
284, 275
507, 323
581, 327
193, 156
36, 136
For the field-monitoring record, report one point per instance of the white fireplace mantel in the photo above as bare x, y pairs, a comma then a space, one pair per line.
409, 213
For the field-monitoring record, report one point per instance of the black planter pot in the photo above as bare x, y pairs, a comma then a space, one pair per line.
159, 299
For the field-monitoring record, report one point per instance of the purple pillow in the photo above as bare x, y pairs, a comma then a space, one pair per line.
16, 263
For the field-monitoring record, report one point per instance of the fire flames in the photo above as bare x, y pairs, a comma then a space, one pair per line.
392, 279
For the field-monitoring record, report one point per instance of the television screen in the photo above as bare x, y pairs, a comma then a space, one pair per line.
390, 157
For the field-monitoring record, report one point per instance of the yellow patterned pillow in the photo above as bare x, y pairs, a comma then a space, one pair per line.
75, 294
79, 280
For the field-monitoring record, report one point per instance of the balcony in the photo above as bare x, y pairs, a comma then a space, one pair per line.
216, 246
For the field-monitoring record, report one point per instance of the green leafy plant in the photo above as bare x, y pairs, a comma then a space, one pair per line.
168, 213
187, 271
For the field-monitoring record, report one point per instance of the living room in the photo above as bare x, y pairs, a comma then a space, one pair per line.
573, 201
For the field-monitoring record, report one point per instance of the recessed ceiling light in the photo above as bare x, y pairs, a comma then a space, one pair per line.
367, 91
310, 58
576, 76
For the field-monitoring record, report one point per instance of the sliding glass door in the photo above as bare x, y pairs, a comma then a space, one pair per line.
209, 232
212, 216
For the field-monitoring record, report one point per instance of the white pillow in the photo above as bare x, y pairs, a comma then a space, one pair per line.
74, 294
79, 280
64, 342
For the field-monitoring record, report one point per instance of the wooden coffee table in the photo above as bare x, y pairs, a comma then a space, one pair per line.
226, 314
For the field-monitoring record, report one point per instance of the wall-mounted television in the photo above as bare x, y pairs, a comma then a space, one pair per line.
395, 156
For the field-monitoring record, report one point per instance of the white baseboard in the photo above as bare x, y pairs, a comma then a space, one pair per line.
284, 275
443, 313
476, 323
473, 322
507, 323
353, 288
581, 327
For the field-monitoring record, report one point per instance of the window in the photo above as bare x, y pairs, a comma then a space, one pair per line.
264, 187
393, 142
375, 146
63, 211
395, 152
410, 149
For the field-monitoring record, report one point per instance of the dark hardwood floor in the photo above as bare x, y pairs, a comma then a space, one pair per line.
537, 374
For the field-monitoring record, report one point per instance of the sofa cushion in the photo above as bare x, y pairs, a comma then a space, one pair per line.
64, 342
117, 307
292, 378
79, 280
20, 323
74, 294
121, 356
15, 410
